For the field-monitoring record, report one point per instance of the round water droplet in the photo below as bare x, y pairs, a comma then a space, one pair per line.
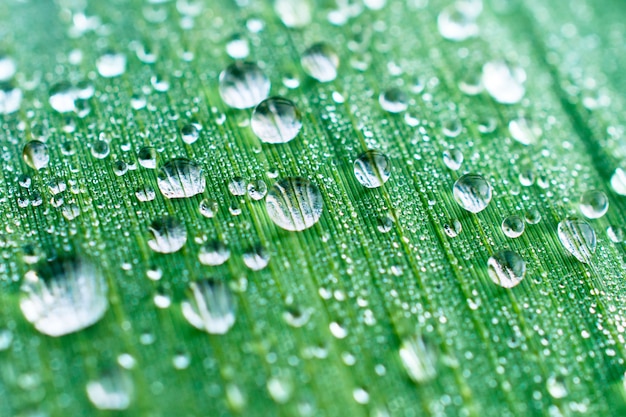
594, 204
62, 96
276, 120
111, 64
453, 159
208, 207
453, 228
10, 98
100, 149
210, 306
419, 358
456, 25
524, 130
256, 258
321, 62
617, 234
180, 178
294, 13
237, 186
64, 296
35, 154
372, 169
190, 133
294, 203
237, 47
472, 192
257, 189
145, 193
7, 67
533, 216
213, 253
505, 84
513, 226
506, 268
147, 156
393, 100
578, 237
168, 235
243, 85
618, 181
112, 391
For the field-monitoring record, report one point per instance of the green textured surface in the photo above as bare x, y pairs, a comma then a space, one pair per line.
496, 348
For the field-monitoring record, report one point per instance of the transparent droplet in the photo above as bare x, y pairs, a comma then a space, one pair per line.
100, 149
276, 120
70, 211
257, 189
35, 154
578, 237
10, 98
243, 85
294, 203
145, 193
455, 25
111, 64
384, 224
213, 253
453, 228
180, 178
120, 168
256, 258
7, 67
294, 13
210, 306
64, 296
62, 96
594, 204
524, 130
168, 235
190, 133
208, 207
513, 226
533, 216
147, 157
237, 47
321, 62
237, 186
556, 387
393, 100
280, 389
505, 84
472, 192
618, 181
617, 234
506, 268
372, 169
453, 159
6, 338
113, 390
419, 358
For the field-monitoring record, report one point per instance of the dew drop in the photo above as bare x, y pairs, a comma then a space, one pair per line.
62, 96
533, 216
505, 84
180, 178
453, 228
393, 100
578, 238
294, 13
524, 130
618, 181
168, 235
556, 386
237, 47
111, 64
276, 120
210, 306
506, 268
472, 192
243, 85
10, 98
145, 193
280, 389
100, 149
294, 203
147, 156
7, 67
257, 189
35, 154
189, 133
616, 234
513, 226
372, 169
208, 207
321, 62
455, 25
594, 204
419, 359
213, 253
453, 159
237, 186
256, 258
114, 390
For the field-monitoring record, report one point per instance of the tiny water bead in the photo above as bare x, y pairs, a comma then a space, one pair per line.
453, 158
64, 295
393, 100
594, 204
180, 178
168, 235
213, 253
618, 181
506, 268
210, 306
111, 64
243, 85
276, 120
208, 207
578, 238
321, 62
372, 169
472, 192
35, 154
513, 226
294, 203
524, 130
504, 83
145, 193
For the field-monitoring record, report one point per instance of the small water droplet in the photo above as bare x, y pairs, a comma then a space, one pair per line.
180, 178
190, 133
419, 358
513, 226
145, 193
10, 98
213, 253
372, 169
210, 306
256, 258
556, 386
617, 234
524, 130
294, 13
294, 203
113, 390
280, 389
504, 83
62, 96
578, 237
453, 159
472, 192
453, 228
35, 154
594, 204
168, 235
243, 85
237, 47
257, 189
296, 317
618, 181
506, 268
208, 207
276, 120
181, 361
456, 25
111, 64
533, 216
100, 149
393, 100
147, 157
321, 62
7, 67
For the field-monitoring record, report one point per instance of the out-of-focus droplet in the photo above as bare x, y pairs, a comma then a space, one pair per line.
618, 181
35, 154
456, 25
10, 98
321, 62
294, 13
7, 67
419, 359
594, 204
393, 100
168, 235
506, 268
208, 207
237, 47
147, 157
62, 96
213, 253
578, 238
111, 64
257, 189
243, 85
453, 158
504, 83
524, 130
210, 306
189, 133
294, 203
113, 390
256, 258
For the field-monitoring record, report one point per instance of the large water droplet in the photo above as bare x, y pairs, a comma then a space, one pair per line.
180, 178
513, 226
112, 391
35, 154
594, 204
276, 120
504, 83
578, 237
372, 169
419, 359
111, 64
64, 296
472, 192
320, 61
210, 306
506, 268
294, 203
168, 235
243, 85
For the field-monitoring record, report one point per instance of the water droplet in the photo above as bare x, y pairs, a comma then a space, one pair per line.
162, 300
168, 235
256, 258
472, 192
578, 237
594, 204
372, 169
10, 98
617, 234
213, 253
294, 13
533, 216
112, 391
384, 224
147, 157
296, 317
280, 389
513, 226
419, 359
35, 154
257, 189
294, 203
64, 296
456, 25
276, 120
524, 130
6, 338
190, 133
180, 178
210, 306
453, 228
505, 84
70, 211
237, 47
506, 268
453, 159
556, 386
321, 62
243, 85
618, 181
100, 149
111, 64
181, 361
393, 100
237, 186
145, 193
208, 207
7, 67
337, 330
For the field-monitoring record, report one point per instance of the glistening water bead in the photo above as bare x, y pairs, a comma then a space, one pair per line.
276, 120
35, 154
372, 169
180, 178
472, 192
321, 62
578, 238
294, 203
210, 306
168, 235
243, 85
506, 268
594, 204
